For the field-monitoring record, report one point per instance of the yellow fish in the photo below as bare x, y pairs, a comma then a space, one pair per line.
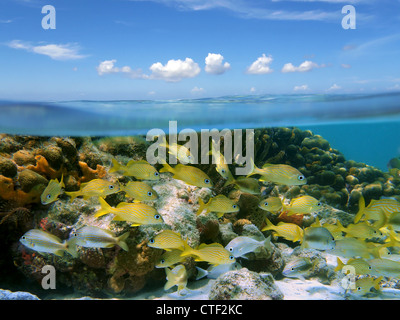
52, 191
94, 188
360, 266
42, 241
176, 277
182, 153
364, 285
245, 185
289, 231
271, 204
94, 237
378, 210
394, 221
141, 170
303, 205
219, 204
169, 258
140, 191
360, 230
221, 164
214, 254
135, 213
167, 240
188, 174
279, 174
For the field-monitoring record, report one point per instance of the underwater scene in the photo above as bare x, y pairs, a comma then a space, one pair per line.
301, 220
183, 150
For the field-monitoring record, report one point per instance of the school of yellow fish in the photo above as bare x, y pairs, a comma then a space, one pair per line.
370, 245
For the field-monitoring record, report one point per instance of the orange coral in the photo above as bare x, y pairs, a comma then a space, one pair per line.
90, 174
19, 197
295, 218
43, 167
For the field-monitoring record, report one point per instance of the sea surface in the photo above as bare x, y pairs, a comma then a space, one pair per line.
364, 127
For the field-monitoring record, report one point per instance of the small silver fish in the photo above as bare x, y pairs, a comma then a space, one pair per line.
318, 238
242, 245
42, 241
94, 237
300, 267
213, 272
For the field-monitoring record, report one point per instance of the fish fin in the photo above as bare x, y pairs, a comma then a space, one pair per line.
301, 277
116, 166
340, 264
132, 162
187, 250
267, 244
376, 283
361, 207
229, 182
62, 184
71, 247
122, 204
59, 253
73, 194
117, 218
268, 226
121, 241
133, 224
105, 208
201, 273
253, 168
170, 279
201, 207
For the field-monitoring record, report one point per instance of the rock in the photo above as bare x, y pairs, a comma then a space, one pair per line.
29, 179
373, 191
7, 167
17, 295
316, 142
245, 285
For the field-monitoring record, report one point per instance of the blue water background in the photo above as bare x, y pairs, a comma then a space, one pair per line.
364, 128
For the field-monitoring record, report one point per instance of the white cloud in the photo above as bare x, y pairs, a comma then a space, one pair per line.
334, 87
304, 67
196, 90
261, 65
303, 87
107, 67
252, 89
54, 51
345, 66
214, 64
175, 70
396, 87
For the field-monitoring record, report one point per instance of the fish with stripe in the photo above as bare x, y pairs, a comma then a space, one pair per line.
95, 237
168, 240
141, 169
52, 191
45, 242
289, 231
214, 254
140, 191
302, 205
134, 213
219, 204
94, 188
377, 210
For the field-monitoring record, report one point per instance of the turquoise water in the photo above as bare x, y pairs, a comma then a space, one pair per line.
363, 127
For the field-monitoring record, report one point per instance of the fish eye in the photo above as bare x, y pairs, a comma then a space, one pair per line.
151, 240
156, 173
222, 170
157, 216
359, 289
189, 157
207, 181
234, 206
265, 203
300, 177
149, 193
369, 268
48, 196
231, 249
292, 269
23, 237
319, 204
231, 258
110, 187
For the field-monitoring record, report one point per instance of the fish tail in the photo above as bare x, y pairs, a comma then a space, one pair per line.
105, 208
376, 283
340, 264
230, 181
70, 247
116, 166
269, 225
267, 244
171, 279
361, 207
340, 226
188, 250
201, 273
166, 168
253, 168
62, 184
201, 207
73, 194
121, 241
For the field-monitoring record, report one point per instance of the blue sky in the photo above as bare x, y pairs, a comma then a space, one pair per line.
172, 49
